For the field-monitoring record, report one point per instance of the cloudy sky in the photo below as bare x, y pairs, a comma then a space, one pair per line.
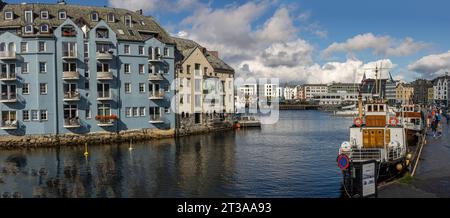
310, 40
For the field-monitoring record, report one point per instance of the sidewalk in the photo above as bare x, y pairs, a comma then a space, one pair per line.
432, 177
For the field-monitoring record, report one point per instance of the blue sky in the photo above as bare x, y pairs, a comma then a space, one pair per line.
410, 36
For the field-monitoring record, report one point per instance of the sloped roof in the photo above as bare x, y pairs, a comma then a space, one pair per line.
140, 23
187, 46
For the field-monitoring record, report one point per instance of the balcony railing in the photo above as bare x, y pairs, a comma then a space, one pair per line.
72, 96
156, 119
155, 58
104, 76
8, 76
8, 97
104, 96
9, 124
157, 95
73, 122
7, 55
104, 56
69, 55
106, 120
71, 75
155, 77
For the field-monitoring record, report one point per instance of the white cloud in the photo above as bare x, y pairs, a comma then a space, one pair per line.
381, 45
432, 65
153, 5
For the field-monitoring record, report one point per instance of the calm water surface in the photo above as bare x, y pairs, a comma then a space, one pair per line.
294, 158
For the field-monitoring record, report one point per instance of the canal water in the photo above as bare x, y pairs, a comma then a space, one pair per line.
296, 157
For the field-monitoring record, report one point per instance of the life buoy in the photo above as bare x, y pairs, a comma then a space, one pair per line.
393, 121
358, 122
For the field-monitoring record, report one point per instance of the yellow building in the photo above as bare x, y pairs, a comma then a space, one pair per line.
404, 93
430, 94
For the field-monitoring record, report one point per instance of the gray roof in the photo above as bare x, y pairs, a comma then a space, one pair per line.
82, 14
186, 47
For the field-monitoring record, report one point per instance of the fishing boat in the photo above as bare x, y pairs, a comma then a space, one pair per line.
411, 117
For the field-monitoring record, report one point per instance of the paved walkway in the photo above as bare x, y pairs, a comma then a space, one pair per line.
432, 177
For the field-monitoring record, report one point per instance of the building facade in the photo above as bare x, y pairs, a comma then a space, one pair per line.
441, 87
314, 89
79, 69
290, 93
404, 93
343, 87
422, 92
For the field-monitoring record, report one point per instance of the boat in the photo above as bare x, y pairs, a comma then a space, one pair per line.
347, 111
249, 121
411, 117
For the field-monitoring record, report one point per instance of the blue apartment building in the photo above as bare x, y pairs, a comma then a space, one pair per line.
79, 69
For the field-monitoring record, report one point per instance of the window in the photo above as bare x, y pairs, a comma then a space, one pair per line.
23, 47
62, 15
104, 109
103, 90
131, 32
102, 67
44, 28
188, 82
9, 15
141, 68
135, 111
141, 50
70, 112
69, 49
102, 33
166, 52
188, 98
42, 67
128, 112
88, 113
197, 85
127, 21
111, 18
43, 88
127, 87
126, 49
42, 47
142, 111
44, 15
86, 85
126, 68
155, 113
141, 87
29, 29
28, 17
26, 115
44, 115
26, 89
167, 110
35, 115
86, 50
69, 67
24, 67
197, 100
94, 16
188, 69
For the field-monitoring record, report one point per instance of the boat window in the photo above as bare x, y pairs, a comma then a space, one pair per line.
381, 108
369, 108
375, 108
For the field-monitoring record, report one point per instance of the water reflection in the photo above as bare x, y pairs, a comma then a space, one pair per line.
293, 158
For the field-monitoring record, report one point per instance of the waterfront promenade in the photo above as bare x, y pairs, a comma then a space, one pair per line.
432, 178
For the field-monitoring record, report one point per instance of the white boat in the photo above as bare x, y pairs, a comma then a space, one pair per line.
249, 121
347, 111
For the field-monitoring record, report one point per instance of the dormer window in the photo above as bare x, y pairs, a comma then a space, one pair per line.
94, 16
111, 18
28, 16
9, 15
62, 15
29, 29
44, 15
44, 28
127, 21
102, 33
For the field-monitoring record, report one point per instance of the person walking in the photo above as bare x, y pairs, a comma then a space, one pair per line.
439, 124
433, 126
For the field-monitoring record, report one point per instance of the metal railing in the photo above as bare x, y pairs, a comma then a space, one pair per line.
72, 122
157, 94
8, 76
9, 124
104, 95
365, 154
156, 118
7, 54
72, 95
8, 96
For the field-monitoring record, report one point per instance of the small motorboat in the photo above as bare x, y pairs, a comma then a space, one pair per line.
249, 121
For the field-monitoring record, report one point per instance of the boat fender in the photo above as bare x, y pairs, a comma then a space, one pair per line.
358, 122
393, 121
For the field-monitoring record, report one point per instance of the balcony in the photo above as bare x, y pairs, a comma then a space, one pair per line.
155, 77
72, 96
106, 120
8, 98
71, 123
105, 75
9, 124
156, 95
104, 96
155, 58
7, 55
69, 55
104, 56
156, 119
8, 76
71, 75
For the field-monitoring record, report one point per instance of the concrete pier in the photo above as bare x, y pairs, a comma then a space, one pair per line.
432, 178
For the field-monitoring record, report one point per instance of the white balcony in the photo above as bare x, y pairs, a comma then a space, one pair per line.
105, 76
8, 76
71, 123
8, 98
155, 58
105, 122
7, 55
156, 119
69, 56
104, 56
157, 95
71, 75
155, 77
9, 124
72, 96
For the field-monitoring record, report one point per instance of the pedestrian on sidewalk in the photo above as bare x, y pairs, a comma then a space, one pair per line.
433, 126
439, 124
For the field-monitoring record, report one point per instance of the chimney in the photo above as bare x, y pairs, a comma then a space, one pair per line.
215, 53
139, 11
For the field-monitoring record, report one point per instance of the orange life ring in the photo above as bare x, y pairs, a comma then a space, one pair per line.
393, 121
358, 122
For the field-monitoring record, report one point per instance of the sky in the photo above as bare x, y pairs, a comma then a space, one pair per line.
310, 41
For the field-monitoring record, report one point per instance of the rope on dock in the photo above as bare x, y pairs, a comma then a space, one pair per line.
422, 143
